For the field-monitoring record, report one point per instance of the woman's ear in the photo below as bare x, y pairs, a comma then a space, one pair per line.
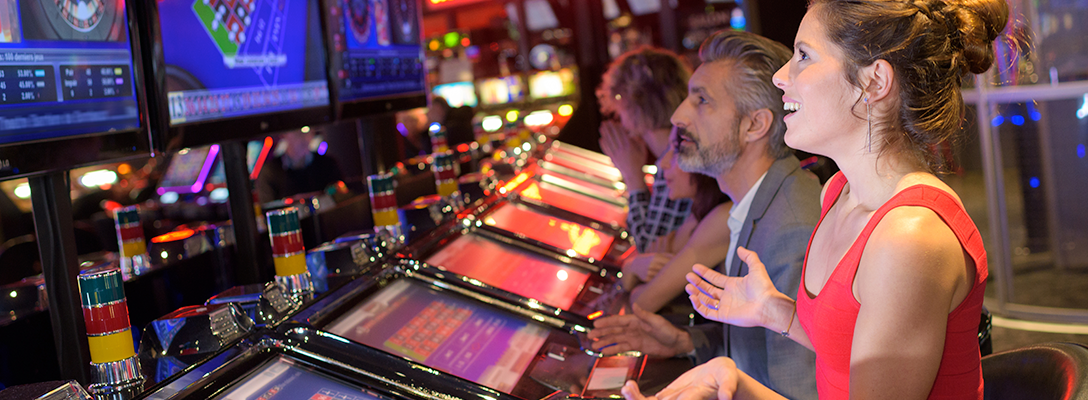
877, 80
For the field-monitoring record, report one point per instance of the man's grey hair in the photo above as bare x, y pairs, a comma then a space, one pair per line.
755, 59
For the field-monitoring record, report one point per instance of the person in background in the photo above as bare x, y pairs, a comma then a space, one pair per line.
297, 170
412, 125
642, 88
731, 128
456, 120
656, 277
896, 270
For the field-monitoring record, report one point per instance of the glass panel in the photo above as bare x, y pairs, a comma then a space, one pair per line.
1042, 145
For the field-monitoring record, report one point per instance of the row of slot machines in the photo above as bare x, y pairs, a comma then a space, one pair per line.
494, 301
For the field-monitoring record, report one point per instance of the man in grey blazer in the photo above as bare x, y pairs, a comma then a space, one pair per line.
731, 128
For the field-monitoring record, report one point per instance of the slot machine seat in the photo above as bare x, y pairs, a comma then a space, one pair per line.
1043, 371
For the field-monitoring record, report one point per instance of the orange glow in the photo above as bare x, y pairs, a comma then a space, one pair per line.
595, 315
288, 201
582, 240
260, 159
532, 192
124, 169
514, 183
463, 148
465, 42
173, 236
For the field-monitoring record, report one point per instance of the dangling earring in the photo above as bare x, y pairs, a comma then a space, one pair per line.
869, 120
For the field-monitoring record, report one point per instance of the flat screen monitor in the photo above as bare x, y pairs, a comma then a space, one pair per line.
67, 85
551, 84
512, 269
284, 377
499, 91
375, 55
457, 94
232, 69
444, 331
550, 230
188, 170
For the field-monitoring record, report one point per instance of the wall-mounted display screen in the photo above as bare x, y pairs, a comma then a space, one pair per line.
457, 94
375, 48
283, 377
505, 90
554, 231
66, 69
235, 58
549, 84
446, 332
512, 269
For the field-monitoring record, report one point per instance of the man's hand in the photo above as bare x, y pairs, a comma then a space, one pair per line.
641, 331
716, 379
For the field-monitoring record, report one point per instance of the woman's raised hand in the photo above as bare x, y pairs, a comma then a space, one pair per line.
739, 301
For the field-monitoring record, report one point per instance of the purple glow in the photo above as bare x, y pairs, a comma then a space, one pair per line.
322, 148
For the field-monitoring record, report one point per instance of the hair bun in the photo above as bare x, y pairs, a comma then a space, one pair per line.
980, 21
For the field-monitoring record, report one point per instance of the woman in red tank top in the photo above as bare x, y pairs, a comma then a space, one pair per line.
895, 271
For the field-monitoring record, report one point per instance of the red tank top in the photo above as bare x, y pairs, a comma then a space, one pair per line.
829, 318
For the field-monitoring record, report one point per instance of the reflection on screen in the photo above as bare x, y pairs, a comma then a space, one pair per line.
442, 331
557, 232
511, 269
285, 378
575, 202
232, 58
64, 73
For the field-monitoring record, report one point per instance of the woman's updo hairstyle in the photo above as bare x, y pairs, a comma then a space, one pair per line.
931, 45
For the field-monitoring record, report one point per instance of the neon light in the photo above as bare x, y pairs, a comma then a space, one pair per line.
491, 123
595, 315
516, 181
206, 169
260, 159
173, 236
566, 110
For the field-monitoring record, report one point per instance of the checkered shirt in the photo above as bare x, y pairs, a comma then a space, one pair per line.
652, 215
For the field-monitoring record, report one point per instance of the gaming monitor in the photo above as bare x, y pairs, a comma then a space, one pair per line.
67, 92
504, 90
375, 56
234, 69
551, 84
457, 94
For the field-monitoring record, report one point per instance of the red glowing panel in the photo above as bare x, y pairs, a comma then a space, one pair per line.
511, 269
580, 186
576, 203
551, 230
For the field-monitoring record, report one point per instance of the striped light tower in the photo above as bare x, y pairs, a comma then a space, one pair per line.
115, 370
445, 174
383, 205
288, 252
130, 241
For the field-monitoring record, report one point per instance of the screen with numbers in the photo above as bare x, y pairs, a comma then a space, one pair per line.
66, 69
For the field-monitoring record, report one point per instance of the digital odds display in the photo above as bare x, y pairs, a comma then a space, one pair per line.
375, 48
66, 69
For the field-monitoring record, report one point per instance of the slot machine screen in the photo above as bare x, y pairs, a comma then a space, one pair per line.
234, 58
376, 52
444, 331
457, 94
549, 84
554, 231
188, 170
499, 91
511, 269
283, 377
575, 202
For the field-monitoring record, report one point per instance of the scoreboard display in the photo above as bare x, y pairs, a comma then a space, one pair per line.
65, 69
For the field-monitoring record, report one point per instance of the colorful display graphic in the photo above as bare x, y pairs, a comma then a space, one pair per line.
557, 232
284, 378
576, 203
446, 332
376, 48
512, 269
229, 58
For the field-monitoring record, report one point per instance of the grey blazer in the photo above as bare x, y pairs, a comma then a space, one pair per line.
784, 212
